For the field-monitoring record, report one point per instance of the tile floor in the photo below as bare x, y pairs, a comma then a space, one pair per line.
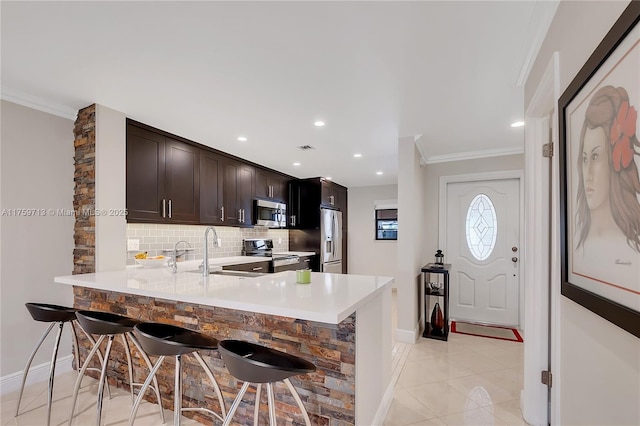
115, 411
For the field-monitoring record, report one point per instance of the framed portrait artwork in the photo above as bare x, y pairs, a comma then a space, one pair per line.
599, 171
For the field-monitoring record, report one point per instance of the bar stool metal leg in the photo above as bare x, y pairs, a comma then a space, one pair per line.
236, 403
177, 397
256, 410
28, 365
145, 385
272, 405
293, 391
52, 372
103, 377
155, 387
216, 388
85, 365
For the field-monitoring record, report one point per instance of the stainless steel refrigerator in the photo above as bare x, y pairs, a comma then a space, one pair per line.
330, 241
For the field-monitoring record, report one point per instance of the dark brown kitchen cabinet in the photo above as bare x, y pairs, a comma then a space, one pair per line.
211, 206
332, 195
260, 267
271, 185
238, 189
162, 178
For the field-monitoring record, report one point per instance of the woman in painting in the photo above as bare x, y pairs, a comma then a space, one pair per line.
607, 209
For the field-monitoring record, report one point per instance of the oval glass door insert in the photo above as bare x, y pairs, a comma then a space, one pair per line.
481, 226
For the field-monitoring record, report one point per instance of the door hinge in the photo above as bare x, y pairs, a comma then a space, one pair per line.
547, 150
547, 378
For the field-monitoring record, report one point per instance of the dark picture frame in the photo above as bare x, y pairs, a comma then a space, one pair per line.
597, 298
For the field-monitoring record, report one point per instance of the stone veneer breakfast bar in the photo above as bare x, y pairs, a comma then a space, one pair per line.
341, 323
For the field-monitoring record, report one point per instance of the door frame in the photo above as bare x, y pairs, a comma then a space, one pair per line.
474, 177
534, 404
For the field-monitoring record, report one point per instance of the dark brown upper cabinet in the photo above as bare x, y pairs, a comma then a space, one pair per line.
271, 185
162, 178
238, 190
211, 188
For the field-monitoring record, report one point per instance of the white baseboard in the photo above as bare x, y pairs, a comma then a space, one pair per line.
408, 336
385, 404
39, 373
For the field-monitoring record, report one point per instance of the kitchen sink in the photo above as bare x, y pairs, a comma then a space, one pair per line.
244, 274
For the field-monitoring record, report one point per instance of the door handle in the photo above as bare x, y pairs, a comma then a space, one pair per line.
514, 259
164, 208
170, 209
222, 214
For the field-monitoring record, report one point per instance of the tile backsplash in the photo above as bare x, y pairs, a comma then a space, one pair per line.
154, 238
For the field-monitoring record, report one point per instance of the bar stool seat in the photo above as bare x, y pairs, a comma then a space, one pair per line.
164, 340
53, 314
108, 325
253, 363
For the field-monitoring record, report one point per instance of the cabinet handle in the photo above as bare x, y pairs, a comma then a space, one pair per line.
222, 214
331, 200
242, 215
307, 260
164, 208
257, 268
170, 209
293, 220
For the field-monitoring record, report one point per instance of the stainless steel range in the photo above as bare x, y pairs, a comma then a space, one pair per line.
264, 247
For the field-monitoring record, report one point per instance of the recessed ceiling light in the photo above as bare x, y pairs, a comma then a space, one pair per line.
378, 173
242, 139
517, 124
328, 178
296, 164
357, 155
319, 123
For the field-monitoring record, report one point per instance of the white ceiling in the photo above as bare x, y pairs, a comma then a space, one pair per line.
451, 71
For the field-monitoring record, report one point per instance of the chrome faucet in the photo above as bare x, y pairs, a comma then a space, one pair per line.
205, 261
174, 262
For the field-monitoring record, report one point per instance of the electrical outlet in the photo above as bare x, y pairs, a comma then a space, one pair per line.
133, 244
279, 240
219, 242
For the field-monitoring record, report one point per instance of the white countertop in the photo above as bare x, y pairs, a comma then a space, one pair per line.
329, 298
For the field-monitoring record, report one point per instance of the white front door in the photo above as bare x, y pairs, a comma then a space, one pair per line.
483, 247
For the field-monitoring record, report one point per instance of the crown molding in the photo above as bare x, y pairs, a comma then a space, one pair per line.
472, 155
547, 11
37, 103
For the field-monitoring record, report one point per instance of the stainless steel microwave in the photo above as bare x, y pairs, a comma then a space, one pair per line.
270, 214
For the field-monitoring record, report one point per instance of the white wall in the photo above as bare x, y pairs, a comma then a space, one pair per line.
37, 172
597, 372
368, 256
110, 189
412, 234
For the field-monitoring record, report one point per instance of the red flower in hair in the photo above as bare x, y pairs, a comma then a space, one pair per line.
623, 127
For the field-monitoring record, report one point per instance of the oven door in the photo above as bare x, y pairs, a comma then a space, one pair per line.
270, 214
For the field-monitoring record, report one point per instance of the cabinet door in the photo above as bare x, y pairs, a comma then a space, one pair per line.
262, 266
145, 166
182, 182
278, 185
230, 192
246, 193
210, 188
327, 197
238, 190
263, 189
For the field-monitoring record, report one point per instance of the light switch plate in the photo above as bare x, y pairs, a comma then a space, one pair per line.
133, 244
219, 242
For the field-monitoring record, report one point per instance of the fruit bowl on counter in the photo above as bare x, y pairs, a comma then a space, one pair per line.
152, 261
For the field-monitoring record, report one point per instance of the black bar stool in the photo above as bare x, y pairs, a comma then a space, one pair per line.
108, 325
165, 340
53, 314
258, 364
